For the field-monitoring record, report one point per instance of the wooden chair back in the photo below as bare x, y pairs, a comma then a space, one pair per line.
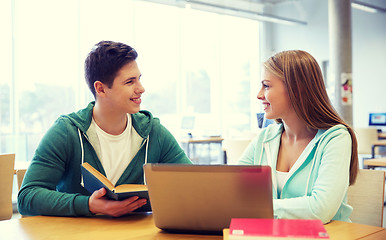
7, 163
20, 175
365, 137
234, 148
366, 197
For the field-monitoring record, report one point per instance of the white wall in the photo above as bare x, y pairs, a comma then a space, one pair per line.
368, 42
369, 64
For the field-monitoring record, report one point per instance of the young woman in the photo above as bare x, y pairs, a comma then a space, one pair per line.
311, 150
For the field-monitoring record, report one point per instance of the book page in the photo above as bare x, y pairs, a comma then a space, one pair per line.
130, 188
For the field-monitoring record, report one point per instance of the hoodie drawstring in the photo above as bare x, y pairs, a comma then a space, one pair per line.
261, 156
82, 160
147, 146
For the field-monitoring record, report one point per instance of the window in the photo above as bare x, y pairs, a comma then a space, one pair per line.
45, 68
193, 63
6, 71
157, 41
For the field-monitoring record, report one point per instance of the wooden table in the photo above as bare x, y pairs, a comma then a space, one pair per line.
343, 230
375, 144
375, 162
140, 226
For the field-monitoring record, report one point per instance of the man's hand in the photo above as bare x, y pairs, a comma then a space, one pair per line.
99, 204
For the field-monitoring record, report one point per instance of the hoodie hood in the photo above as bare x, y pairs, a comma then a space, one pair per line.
141, 121
273, 130
271, 141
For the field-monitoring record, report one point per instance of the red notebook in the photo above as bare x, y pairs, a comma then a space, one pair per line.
261, 228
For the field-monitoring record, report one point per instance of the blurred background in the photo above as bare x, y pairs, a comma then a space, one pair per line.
200, 60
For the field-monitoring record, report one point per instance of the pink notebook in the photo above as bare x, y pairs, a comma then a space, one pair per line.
261, 228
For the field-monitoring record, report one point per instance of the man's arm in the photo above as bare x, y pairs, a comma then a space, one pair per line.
38, 194
171, 151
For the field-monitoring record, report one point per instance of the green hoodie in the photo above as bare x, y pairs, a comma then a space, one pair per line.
52, 183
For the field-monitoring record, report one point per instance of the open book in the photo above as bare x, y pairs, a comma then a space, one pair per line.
94, 180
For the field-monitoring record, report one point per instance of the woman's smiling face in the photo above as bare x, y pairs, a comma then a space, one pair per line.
274, 97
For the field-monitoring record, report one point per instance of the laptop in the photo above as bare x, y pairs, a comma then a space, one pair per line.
204, 198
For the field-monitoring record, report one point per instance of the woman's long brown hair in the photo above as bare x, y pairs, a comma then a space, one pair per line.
307, 92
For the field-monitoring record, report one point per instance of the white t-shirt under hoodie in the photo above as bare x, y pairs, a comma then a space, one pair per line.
281, 178
115, 151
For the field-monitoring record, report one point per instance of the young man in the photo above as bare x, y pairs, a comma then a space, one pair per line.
111, 134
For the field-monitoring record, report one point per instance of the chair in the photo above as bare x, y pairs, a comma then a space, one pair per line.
365, 137
234, 148
20, 175
7, 162
366, 197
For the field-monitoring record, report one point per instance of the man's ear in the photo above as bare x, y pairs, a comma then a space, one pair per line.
99, 88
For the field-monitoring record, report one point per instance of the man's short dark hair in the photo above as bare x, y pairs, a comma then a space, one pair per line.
105, 60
